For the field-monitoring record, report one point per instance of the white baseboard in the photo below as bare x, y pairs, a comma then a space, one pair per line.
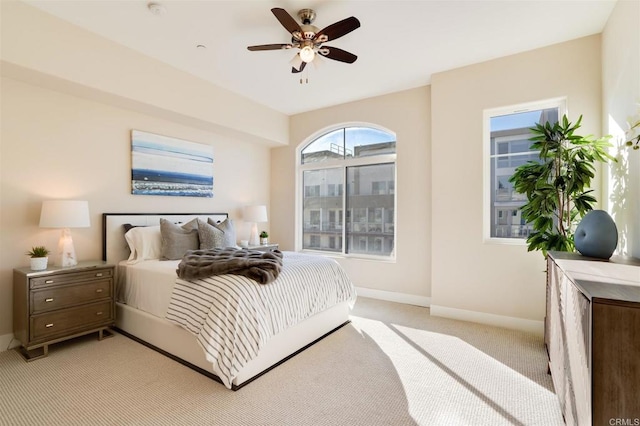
530, 326
391, 296
8, 342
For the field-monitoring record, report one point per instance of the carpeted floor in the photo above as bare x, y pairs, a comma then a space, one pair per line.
393, 365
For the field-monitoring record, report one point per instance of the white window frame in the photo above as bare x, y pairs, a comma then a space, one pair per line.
561, 104
343, 164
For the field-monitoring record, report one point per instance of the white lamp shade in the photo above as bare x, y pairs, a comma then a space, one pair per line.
255, 213
65, 214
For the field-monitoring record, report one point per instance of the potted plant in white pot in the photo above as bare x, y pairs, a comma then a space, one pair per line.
264, 238
39, 258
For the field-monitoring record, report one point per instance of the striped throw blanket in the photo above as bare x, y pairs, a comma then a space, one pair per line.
232, 316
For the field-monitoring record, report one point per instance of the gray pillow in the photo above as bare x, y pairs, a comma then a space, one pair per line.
229, 230
210, 236
176, 239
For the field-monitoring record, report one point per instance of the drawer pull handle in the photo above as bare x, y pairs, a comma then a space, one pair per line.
49, 325
99, 290
48, 299
99, 274
48, 281
99, 313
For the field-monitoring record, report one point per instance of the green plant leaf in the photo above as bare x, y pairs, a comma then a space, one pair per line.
556, 187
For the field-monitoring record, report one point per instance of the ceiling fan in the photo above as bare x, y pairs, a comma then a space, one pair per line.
310, 40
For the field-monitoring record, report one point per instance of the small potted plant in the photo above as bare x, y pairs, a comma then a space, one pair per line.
39, 258
264, 238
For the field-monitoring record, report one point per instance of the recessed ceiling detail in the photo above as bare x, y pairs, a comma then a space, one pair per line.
157, 9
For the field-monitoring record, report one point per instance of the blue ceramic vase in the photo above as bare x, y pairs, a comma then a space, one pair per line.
596, 235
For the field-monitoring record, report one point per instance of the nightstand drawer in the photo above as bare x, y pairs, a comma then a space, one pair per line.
73, 277
50, 299
64, 321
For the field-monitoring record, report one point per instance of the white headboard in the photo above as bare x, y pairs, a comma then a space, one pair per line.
115, 247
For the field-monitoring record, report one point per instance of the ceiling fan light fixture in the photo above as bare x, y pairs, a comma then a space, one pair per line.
296, 62
307, 54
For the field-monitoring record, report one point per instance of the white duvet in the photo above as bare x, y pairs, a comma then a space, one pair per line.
233, 316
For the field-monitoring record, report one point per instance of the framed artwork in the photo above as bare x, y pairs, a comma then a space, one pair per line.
161, 165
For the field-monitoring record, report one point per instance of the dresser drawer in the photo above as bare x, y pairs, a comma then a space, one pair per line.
67, 320
72, 277
48, 299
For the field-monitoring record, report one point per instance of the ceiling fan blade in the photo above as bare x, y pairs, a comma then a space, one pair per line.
287, 20
318, 62
296, 62
337, 54
295, 71
269, 47
337, 30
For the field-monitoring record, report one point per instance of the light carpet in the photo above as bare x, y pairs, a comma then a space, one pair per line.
393, 365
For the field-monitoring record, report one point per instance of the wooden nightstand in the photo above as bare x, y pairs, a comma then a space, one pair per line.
263, 247
61, 303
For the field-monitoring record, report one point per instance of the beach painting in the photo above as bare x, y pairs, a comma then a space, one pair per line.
161, 165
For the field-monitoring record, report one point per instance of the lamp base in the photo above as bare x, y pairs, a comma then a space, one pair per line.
66, 249
253, 240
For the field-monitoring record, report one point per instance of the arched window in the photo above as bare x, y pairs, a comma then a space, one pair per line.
347, 178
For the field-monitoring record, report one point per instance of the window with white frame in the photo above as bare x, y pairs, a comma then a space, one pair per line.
507, 146
347, 176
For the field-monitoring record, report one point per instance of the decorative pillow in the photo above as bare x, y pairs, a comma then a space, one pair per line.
145, 243
229, 230
176, 239
210, 236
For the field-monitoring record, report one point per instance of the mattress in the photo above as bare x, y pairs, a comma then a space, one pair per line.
147, 285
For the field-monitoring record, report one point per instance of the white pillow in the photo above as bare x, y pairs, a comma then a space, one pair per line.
145, 243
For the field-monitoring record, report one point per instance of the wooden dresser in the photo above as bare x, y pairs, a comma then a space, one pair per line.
592, 334
61, 303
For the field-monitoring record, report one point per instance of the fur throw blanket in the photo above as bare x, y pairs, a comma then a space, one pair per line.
263, 267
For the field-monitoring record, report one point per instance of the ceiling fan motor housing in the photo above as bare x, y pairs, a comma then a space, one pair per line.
307, 16
309, 31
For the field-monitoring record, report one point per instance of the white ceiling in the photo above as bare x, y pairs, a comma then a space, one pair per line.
399, 45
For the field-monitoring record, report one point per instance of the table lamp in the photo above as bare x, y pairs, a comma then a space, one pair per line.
65, 214
254, 214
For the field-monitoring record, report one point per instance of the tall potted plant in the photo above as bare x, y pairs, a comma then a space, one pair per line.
557, 187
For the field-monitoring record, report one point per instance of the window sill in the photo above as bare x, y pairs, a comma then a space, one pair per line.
370, 258
506, 241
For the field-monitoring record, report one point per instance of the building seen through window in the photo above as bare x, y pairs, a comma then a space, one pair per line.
510, 148
348, 181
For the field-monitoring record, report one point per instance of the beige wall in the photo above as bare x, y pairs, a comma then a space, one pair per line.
69, 102
621, 99
467, 273
407, 114
59, 146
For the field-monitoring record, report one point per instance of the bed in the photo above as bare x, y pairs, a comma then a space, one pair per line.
145, 296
